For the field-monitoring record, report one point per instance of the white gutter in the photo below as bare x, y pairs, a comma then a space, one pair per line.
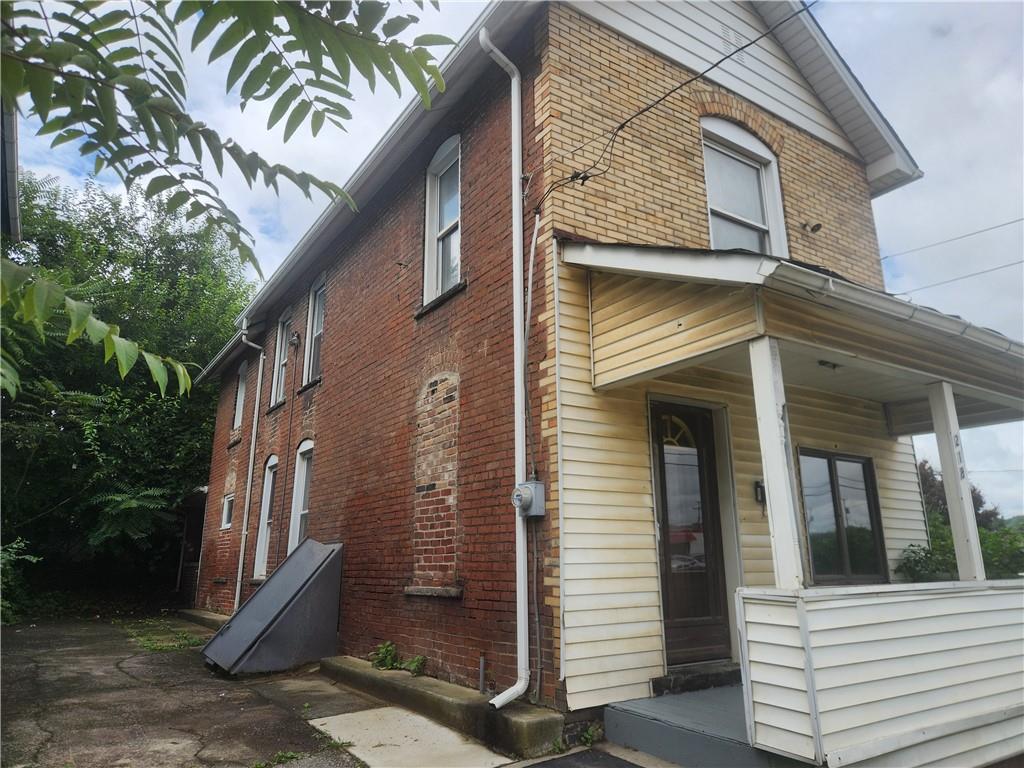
519, 379
252, 458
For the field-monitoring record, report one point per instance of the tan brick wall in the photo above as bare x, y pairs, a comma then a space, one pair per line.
654, 192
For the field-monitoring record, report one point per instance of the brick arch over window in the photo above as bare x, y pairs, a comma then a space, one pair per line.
728, 107
435, 534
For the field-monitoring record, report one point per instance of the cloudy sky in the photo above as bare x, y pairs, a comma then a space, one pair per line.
948, 76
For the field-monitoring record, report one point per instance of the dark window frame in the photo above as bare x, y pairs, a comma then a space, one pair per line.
874, 511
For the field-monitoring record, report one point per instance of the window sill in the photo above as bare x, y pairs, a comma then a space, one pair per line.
433, 304
224, 528
446, 592
220, 580
257, 580
309, 385
276, 406
235, 440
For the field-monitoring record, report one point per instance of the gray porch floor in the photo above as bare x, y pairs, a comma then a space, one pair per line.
697, 729
714, 711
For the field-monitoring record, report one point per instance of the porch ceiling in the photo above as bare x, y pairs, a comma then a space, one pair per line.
902, 392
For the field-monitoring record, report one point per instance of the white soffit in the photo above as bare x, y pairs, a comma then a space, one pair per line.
889, 163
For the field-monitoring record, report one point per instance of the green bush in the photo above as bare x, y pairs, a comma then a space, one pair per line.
1002, 550
13, 595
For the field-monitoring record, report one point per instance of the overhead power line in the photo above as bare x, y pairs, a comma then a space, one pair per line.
613, 133
964, 277
953, 239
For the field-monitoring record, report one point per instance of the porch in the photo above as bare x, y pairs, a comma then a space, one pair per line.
809, 380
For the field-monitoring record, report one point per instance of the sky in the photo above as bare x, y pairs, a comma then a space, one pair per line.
948, 76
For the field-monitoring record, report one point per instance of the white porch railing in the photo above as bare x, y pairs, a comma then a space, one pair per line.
899, 674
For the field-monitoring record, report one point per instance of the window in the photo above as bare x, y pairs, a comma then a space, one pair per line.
277, 389
844, 528
315, 332
266, 511
441, 262
300, 496
744, 195
227, 510
243, 371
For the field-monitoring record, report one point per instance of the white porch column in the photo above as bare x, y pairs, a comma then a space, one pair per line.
954, 480
777, 462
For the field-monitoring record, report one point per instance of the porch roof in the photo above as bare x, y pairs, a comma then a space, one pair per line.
834, 334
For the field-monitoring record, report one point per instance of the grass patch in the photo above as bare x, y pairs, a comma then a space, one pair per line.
279, 759
158, 635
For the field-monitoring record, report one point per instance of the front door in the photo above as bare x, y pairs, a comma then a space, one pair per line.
692, 569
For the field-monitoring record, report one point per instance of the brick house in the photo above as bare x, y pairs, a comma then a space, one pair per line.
719, 394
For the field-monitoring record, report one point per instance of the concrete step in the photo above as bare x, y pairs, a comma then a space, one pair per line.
204, 618
696, 677
699, 729
518, 728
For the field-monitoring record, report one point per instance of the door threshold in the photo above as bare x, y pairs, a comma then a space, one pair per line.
697, 676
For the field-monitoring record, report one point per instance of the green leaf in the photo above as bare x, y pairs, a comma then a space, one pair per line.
255, 80
157, 370
213, 14
283, 102
10, 380
126, 352
40, 86
369, 13
78, 314
397, 24
295, 118
12, 277
178, 199
412, 71
213, 143
430, 40
250, 49
107, 102
184, 380
160, 184
96, 329
360, 57
317, 122
12, 76
232, 36
76, 87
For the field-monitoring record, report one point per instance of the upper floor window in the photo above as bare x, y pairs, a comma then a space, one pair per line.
441, 260
279, 382
744, 194
315, 331
227, 511
844, 528
243, 372
300, 494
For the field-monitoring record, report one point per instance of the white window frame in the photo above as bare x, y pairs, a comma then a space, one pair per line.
447, 155
320, 286
259, 569
303, 459
227, 511
279, 383
727, 137
243, 373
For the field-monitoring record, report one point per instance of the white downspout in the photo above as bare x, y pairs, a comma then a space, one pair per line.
518, 352
252, 459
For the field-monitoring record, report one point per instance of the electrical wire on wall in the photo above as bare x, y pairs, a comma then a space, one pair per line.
605, 156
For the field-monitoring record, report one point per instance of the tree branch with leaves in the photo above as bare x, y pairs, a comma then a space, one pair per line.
111, 79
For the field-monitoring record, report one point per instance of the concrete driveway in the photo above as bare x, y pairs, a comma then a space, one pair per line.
82, 694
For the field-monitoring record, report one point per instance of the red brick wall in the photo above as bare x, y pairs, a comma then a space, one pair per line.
377, 360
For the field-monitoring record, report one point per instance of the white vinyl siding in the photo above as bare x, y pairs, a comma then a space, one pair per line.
901, 675
611, 597
696, 34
